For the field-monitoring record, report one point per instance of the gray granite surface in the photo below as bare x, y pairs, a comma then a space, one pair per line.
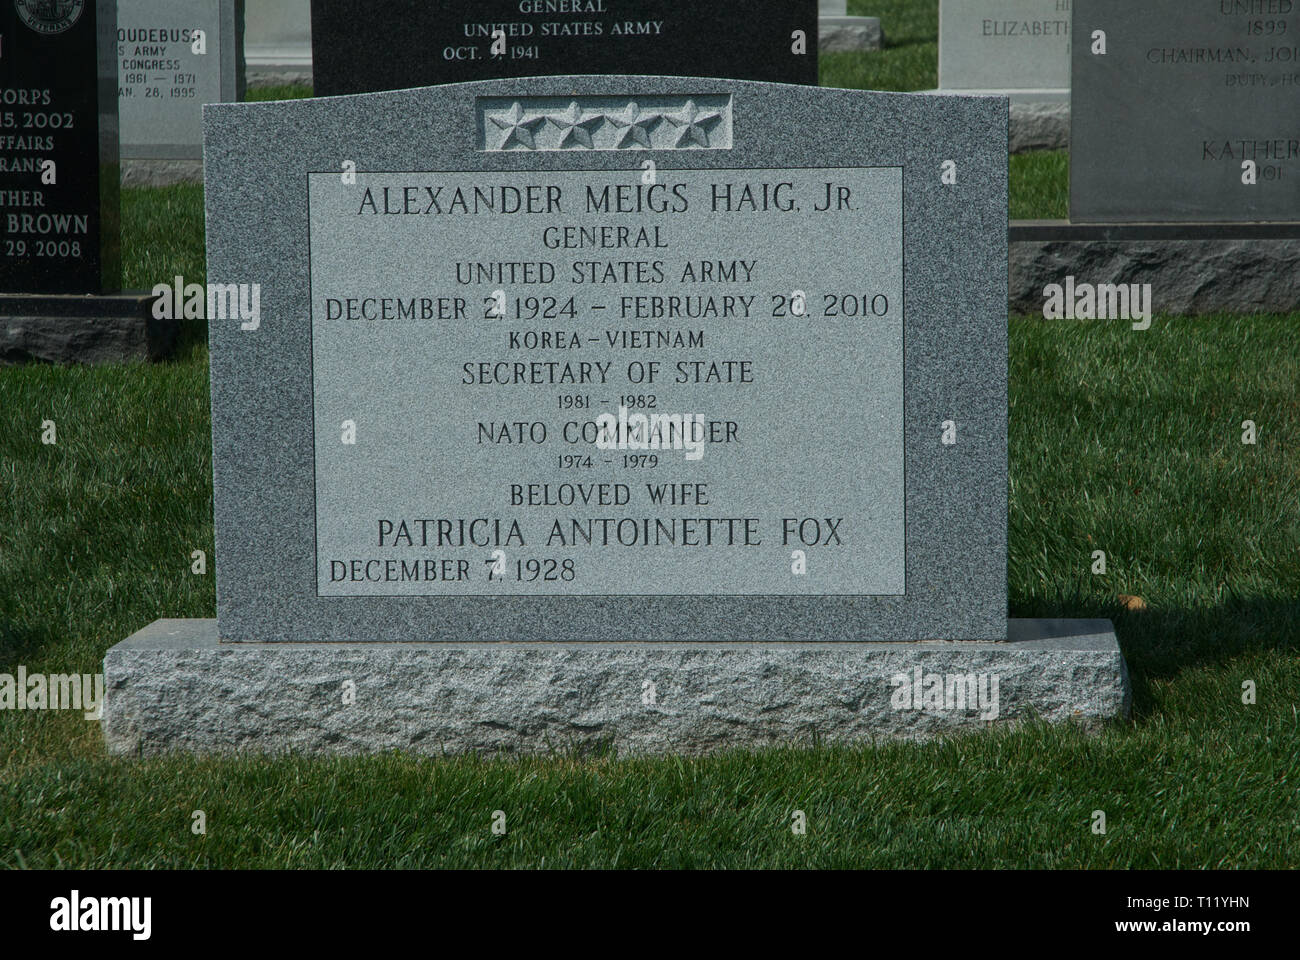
174, 687
257, 163
849, 34
1187, 276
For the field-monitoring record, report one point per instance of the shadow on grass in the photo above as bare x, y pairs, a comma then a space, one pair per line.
24, 645
1159, 644
193, 336
903, 44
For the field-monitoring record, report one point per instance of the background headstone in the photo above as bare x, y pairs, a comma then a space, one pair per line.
359, 46
1020, 48
58, 151
1187, 93
60, 249
163, 83
277, 41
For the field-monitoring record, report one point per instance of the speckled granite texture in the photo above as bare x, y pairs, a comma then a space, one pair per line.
173, 687
257, 156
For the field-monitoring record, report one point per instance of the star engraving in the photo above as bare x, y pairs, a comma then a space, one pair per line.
635, 125
574, 129
518, 128
695, 124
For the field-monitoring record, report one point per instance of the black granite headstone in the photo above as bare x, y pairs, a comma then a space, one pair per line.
359, 46
1185, 111
58, 147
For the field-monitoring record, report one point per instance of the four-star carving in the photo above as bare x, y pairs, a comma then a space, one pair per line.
574, 128
694, 123
519, 129
633, 126
636, 126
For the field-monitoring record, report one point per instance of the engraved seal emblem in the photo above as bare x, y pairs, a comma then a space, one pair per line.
49, 17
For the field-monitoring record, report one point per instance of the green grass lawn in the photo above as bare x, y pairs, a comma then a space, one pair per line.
1040, 182
1038, 185
1128, 442
1122, 441
910, 59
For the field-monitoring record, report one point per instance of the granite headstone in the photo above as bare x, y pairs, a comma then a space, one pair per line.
167, 72
634, 411
815, 307
1192, 113
1017, 47
60, 252
360, 47
277, 42
58, 151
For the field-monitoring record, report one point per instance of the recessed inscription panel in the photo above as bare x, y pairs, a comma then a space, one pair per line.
577, 383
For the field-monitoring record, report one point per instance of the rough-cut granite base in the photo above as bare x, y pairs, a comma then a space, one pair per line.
174, 687
279, 76
160, 173
849, 34
1017, 96
1193, 269
1040, 125
70, 329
